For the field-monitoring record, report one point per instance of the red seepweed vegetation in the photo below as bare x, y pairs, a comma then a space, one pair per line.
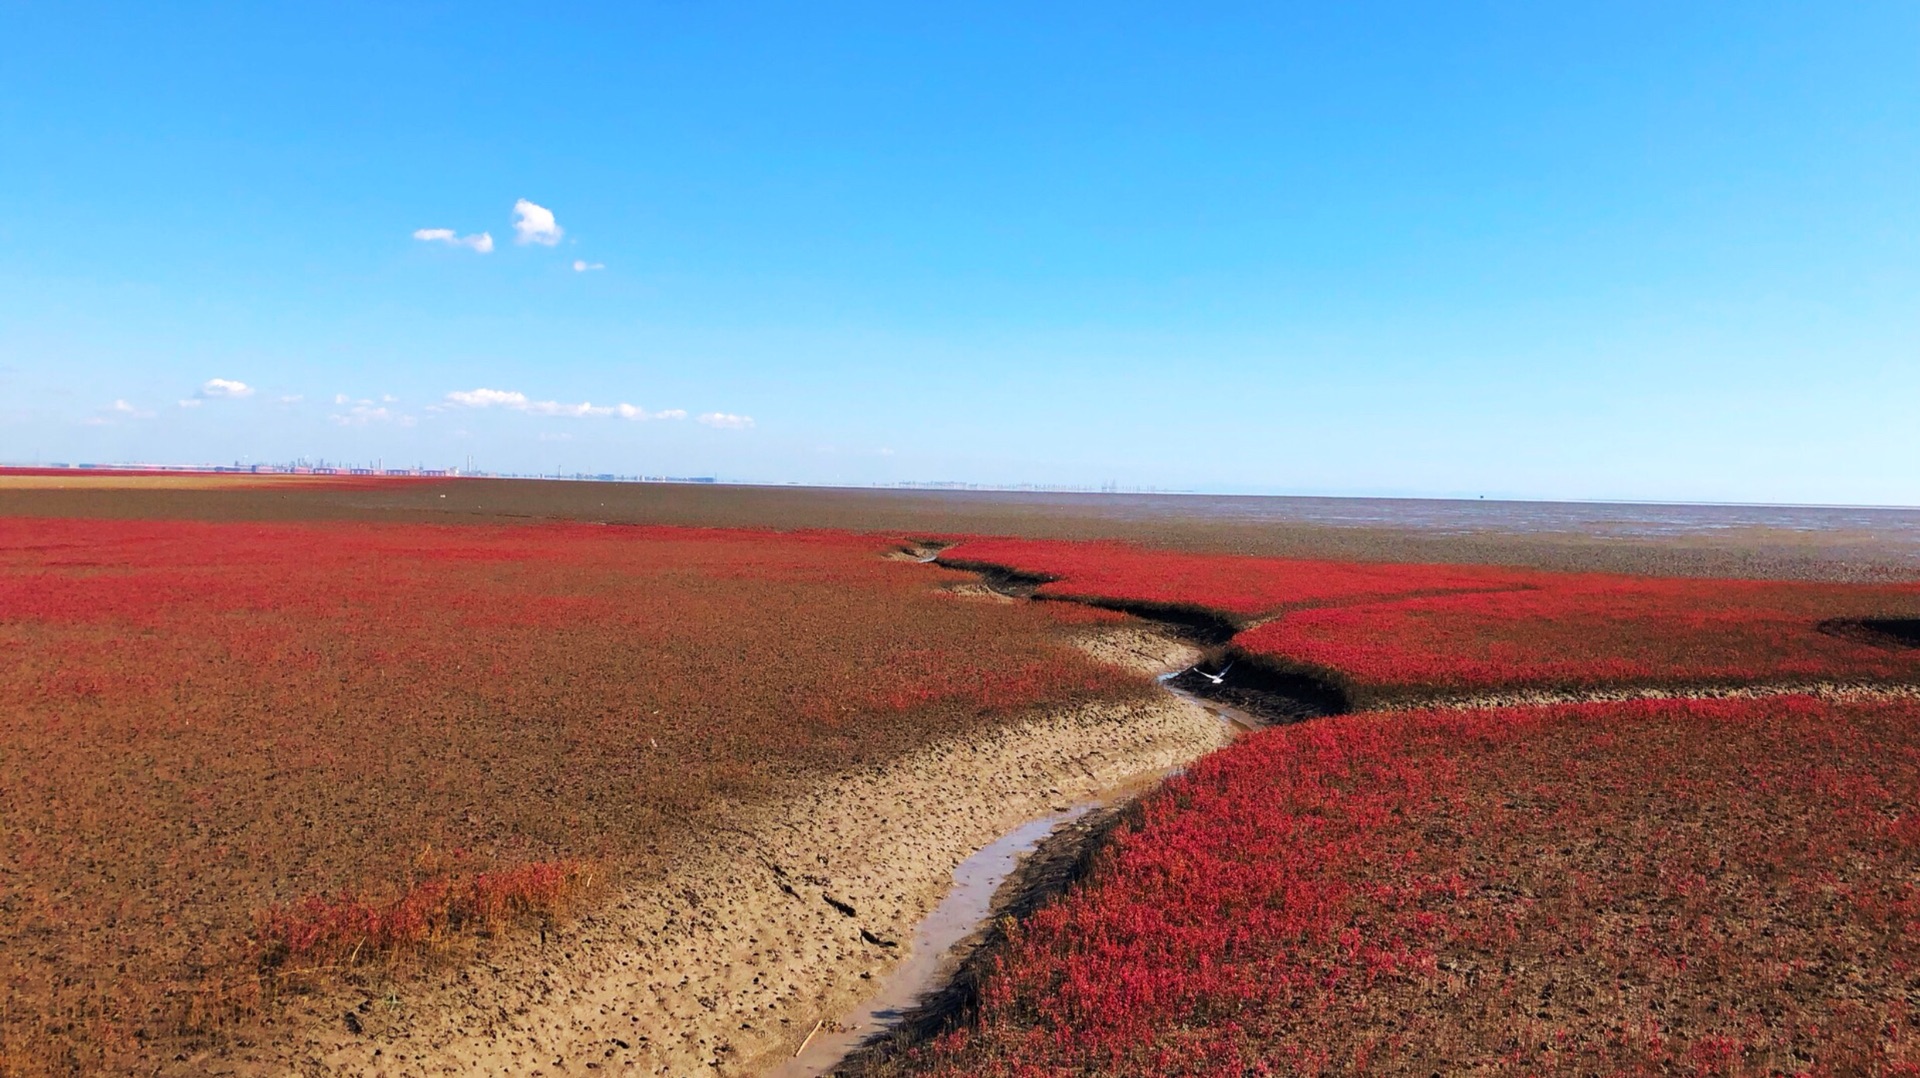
1403, 632
1243, 586
1728, 887
220, 744
332, 929
202, 724
1581, 631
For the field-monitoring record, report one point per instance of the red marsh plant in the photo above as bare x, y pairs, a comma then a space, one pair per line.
1724, 887
1241, 586
1398, 632
1578, 631
205, 723
327, 930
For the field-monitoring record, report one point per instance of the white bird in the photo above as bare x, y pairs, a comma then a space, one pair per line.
1218, 679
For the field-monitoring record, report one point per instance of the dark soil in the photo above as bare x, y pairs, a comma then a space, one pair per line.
1886, 632
1269, 691
1007, 581
1195, 624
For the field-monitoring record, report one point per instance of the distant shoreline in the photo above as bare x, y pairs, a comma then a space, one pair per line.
1768, 542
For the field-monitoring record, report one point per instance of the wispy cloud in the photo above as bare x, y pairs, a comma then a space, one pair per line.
363, 412
726, 420
115, 412
480, 242
583, 266
514, 400
534, 223
225, 388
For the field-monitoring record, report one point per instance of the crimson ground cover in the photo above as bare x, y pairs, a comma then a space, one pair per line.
1638, 888
1391, 631
1239, 585
203, 726
1579, 631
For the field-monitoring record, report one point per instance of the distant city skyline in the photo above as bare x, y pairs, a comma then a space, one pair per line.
1584, 251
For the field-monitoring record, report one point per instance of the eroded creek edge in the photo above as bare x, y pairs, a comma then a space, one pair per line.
788, 916
794, 915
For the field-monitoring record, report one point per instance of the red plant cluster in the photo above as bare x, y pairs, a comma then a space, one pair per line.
1581, 631
1697, 887
1400, 631
203, 720
343, 928
1236, 584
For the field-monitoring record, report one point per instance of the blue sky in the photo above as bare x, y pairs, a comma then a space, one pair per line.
1544, 250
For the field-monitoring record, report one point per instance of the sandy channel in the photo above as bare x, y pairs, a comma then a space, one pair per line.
787, 918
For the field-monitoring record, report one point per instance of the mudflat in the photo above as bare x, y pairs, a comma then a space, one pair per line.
723, 962
1871, 544
305, 775
240, 762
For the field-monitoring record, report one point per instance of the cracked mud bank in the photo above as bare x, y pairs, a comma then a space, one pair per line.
725, 965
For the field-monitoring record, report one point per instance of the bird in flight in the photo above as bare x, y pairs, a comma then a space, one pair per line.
1218, 679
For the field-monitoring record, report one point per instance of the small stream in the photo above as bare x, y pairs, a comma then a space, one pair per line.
936, 950
935, 938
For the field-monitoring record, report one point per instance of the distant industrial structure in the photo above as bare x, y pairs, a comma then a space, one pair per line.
376, 469
379, 468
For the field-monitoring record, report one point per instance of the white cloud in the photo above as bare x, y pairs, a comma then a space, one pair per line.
481, 243
190, 402
581, 265
364, 412
487, 398
584, 408
726, 421
293, 398
534, 223
115, 412
514, 400
225, 387
341, 398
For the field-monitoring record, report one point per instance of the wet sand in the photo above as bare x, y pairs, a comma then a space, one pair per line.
931, 958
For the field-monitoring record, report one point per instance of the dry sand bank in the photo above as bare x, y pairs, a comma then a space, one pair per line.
726, 965
1825, 690
1138, 648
